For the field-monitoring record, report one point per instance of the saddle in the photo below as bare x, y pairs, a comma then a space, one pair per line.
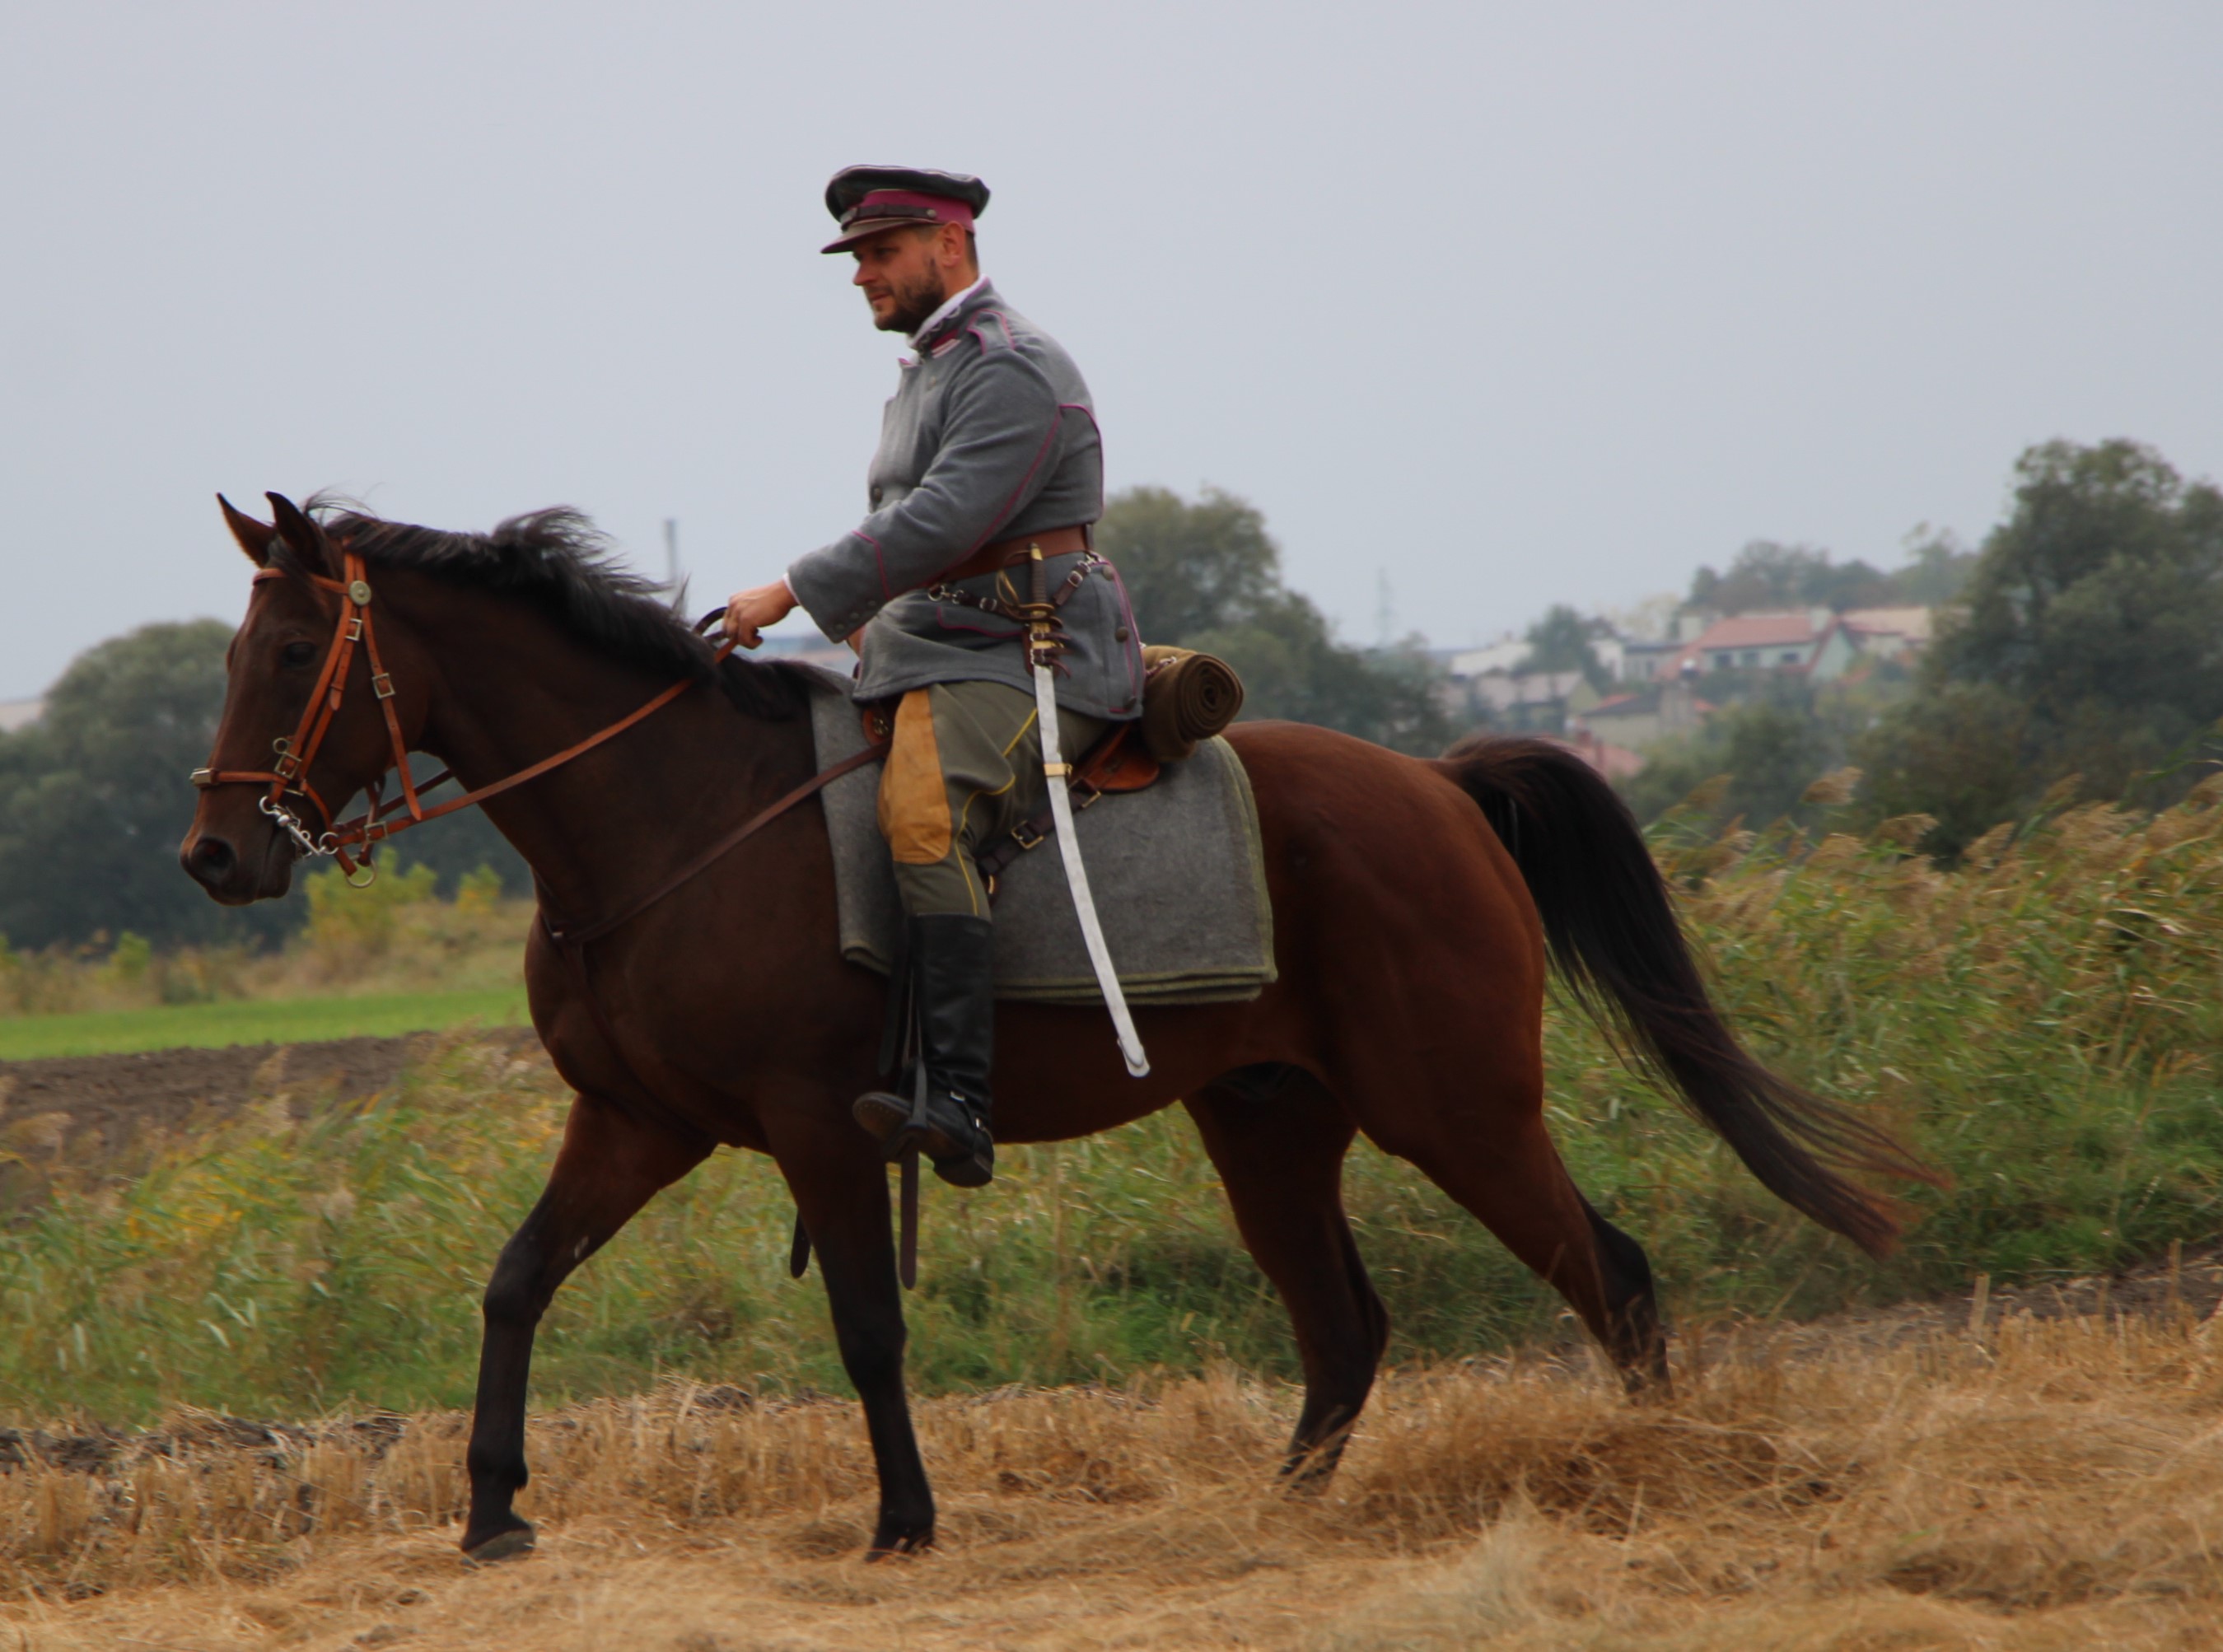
1187, 697
1117, 763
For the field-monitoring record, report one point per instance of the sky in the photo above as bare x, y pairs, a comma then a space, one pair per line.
1498, 305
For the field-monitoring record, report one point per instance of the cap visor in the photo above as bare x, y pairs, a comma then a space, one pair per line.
871, 227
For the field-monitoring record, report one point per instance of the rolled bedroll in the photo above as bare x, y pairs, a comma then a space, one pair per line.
1187, 697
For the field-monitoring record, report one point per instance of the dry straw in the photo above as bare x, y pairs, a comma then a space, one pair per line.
2054, 1483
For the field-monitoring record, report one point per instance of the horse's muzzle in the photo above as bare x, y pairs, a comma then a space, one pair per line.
215, 863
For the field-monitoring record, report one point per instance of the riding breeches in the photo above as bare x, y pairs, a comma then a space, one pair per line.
965, 768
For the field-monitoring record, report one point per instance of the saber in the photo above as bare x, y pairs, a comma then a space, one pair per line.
1041, 617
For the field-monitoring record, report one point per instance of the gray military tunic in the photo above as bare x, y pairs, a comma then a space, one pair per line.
990, 435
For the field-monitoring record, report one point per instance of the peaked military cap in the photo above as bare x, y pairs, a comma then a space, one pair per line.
866, 200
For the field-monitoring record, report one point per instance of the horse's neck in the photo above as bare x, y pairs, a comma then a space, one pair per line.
599, 830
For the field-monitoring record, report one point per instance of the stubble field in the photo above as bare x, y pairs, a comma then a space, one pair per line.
2030, 1482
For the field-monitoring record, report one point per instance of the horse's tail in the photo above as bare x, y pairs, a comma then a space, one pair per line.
1612, 933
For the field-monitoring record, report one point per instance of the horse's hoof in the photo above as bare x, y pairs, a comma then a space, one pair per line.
504, 1545
898, 1548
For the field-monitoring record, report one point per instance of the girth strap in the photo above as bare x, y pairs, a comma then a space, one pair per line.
580, 934
644, 1099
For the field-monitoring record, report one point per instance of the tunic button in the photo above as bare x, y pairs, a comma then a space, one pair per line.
1120, 635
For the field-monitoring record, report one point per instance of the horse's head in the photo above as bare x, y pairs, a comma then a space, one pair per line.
306, 721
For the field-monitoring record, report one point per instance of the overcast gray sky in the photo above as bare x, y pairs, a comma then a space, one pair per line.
1520, 303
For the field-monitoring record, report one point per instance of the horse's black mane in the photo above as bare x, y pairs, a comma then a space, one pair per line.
560, 562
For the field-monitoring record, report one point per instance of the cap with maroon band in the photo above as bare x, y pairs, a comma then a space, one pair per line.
866, 200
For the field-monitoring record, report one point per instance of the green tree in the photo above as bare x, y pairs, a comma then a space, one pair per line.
1765, 575
1561, 641
1766, 753
1206, 575
2088, 642
1191, 567
95, 796
1938, 567
2103, 589
1955, 754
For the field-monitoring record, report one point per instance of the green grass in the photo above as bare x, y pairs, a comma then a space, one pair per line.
2043, 1024
274, 1020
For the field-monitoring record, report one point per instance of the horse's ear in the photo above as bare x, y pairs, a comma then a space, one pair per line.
255, 537
303, 537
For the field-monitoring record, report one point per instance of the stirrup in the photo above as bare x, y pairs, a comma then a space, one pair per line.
962, 1150
885, 1117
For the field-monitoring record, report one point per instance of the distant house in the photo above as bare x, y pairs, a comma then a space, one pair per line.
1645, 717
1649, 659
1611, 653
1533, 702
1812, 643
1889, 633
19, 713
1503, 654
1505, 657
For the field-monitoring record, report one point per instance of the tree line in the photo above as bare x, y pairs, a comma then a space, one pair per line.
96, 796
2080, 657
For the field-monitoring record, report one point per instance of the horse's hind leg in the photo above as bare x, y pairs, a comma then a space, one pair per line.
1634, 1338
1507, 1173
1277, 1138
610, 1164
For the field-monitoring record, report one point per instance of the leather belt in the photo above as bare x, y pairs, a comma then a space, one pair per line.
1004, 553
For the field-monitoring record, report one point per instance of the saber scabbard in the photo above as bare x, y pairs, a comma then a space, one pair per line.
1043, 644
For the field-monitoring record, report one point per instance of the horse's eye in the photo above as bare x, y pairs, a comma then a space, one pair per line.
297, 653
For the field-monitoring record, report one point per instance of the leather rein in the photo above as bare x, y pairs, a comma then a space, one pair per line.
288, 776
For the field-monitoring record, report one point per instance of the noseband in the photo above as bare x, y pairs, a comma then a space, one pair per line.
289, 776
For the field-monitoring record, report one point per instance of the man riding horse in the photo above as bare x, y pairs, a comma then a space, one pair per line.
989, 460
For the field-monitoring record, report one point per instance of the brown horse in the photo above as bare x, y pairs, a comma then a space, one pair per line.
1415, 904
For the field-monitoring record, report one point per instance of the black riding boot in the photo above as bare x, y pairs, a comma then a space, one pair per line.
953, 991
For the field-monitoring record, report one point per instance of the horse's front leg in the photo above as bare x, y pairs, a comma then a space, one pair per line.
841, 1191
610, 1164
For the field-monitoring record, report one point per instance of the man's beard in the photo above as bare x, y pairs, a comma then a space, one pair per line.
914, 303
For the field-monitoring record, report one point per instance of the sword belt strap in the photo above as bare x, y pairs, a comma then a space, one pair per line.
1006, 552
1032, 831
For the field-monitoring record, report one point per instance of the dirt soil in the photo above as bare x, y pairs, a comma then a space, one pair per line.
101, 1111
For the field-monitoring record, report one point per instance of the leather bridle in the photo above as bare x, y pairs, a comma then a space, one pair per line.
289, 775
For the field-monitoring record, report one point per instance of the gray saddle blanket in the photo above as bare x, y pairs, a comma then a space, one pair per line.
1179, 877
